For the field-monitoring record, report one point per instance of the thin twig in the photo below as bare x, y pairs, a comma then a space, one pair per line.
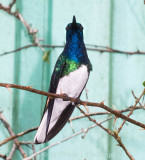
103, 113
130, 113
8, 9
70, 120
17, 15
29, 46
12, 152
63, 96
111, 50
108, 50
33, 148
12, 3
113, 134
18, 135
136, 98
36, 40
78, 133
25, 142
7, 126
89, 114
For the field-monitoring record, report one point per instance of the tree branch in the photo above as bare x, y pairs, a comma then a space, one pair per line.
76, 134
103, 113
33, 32
131, 111
113, 134
7, 126
107, 49
12, 152
63, 96
31, 45
17, 15
12, 3
70, 120
18, 135
137, 98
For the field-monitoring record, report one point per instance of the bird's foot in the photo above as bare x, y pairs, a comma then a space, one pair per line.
66, 98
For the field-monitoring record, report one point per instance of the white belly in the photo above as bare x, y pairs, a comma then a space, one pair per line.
72, 85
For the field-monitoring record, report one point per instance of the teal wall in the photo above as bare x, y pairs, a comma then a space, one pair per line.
114, 23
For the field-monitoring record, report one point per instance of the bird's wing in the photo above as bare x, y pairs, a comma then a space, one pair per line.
42, 135
58, 69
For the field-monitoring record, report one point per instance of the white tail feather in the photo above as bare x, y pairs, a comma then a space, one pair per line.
41, 132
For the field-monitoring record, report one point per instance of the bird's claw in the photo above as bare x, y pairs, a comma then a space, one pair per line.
66, 98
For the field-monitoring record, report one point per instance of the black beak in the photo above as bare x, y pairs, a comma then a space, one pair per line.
74, 21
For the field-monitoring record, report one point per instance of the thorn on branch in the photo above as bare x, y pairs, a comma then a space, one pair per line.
52, 95
30, 86
9, 89
115, 116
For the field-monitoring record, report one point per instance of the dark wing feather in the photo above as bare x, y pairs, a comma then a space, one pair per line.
63, 118
58, 69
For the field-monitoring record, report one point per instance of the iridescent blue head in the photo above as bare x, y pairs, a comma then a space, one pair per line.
74, 30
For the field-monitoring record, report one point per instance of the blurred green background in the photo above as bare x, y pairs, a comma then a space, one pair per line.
119, 24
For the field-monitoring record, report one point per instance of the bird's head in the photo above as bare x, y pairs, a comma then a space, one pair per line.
74, 29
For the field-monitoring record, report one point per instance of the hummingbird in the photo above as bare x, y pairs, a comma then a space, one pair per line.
70, 75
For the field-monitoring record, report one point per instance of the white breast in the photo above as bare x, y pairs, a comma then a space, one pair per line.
72, 85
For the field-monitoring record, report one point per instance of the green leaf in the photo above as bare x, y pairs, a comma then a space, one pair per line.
143, 83
46, 56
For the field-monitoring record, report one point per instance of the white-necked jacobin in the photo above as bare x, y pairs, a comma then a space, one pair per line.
70, 76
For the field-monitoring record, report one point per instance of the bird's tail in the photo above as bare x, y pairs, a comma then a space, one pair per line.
47, 130
40, 136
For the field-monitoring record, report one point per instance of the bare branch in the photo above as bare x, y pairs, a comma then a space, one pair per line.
111, 50
106, 50
136, 98
11, 4
70, 120
113, 134
18, 135
12, 152
31, 45
76, 134
26, 142
63, 96
17, 15
103, 113
7, 126
8, 9
130, 113
33, 148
